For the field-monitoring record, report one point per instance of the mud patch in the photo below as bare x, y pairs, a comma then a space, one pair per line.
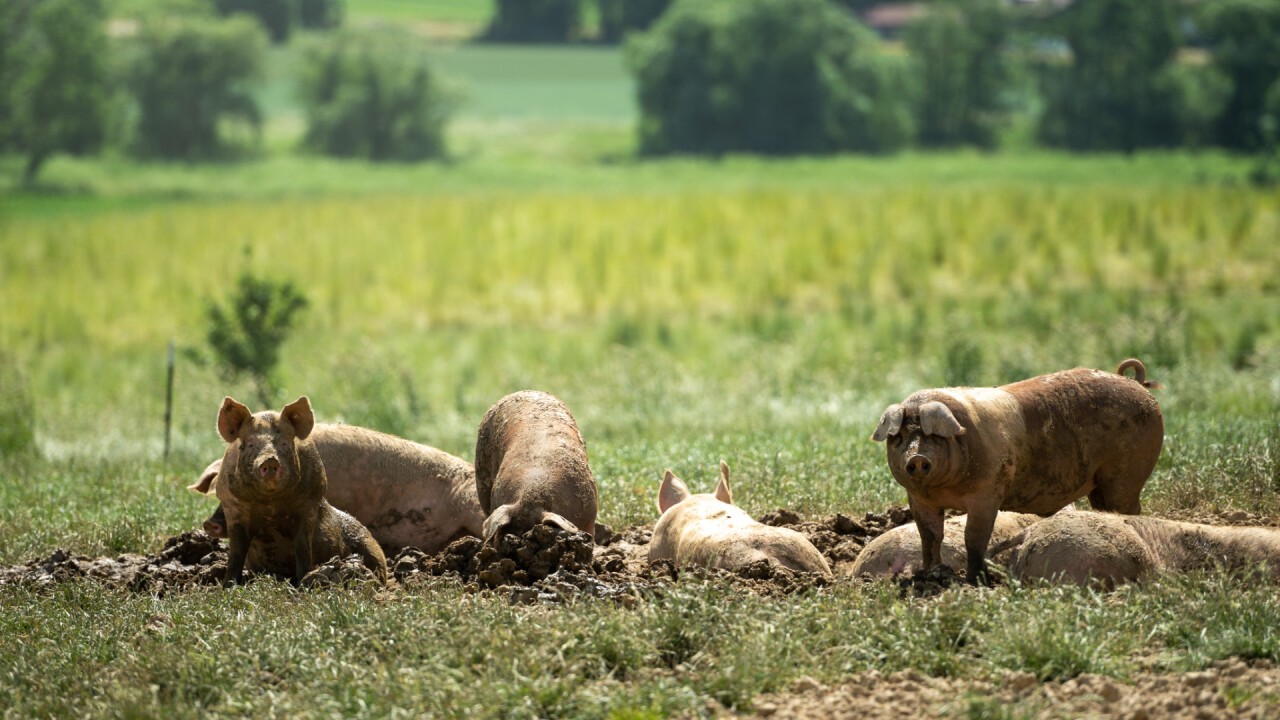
1231, 688
349, 571
186, 560
839, 537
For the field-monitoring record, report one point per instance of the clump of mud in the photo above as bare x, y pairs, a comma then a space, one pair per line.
186, 560
929, 583
349, 571
839, 537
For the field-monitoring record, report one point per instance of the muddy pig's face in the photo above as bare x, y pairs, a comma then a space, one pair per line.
924, 444
262, 448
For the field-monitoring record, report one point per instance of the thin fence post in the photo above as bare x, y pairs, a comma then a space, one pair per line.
168, 404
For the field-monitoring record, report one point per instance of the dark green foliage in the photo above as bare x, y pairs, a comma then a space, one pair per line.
1267, 171
619, 17
247, 333
535, 20
964, 75
767, 76
1244, 37
320, 14
1109, 97
277, 16
189, 77
53, 79
374, 95
17, 410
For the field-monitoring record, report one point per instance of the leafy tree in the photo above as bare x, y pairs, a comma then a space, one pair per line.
247, 333
189, 77
53, 80
618, 17
320, 14
766, 76
548, 21
1109, 98
374, 95
964, 75
1244, 36
276, 16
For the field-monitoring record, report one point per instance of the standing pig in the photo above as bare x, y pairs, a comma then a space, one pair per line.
407, 494
273, 497
709, 531
1032, 446
531, 467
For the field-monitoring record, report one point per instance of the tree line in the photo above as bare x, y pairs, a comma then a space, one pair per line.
774, 77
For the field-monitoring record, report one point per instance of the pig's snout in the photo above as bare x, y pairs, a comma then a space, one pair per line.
918, 467
213, 529
269, 468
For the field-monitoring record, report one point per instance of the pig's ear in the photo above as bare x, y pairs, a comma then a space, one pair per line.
207, 477
673, 491
890, 423
722, 489
231, 418
299, 415
936, 419
558, 521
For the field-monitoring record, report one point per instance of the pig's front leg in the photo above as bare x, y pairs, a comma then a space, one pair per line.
304, 560
236, 554
929, 524
977, 534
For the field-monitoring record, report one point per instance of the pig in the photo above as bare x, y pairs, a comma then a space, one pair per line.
1031, 446
1106, 549
407, 494
532, 468
710, 531
273, 496
897, 552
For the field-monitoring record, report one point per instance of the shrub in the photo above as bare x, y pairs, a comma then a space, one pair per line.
535, 20
767, 76
958, 48
374, 95
189, 77
53, 80
1109, 98
1244, 37
276, 16
246, 334
619, 17
320, 14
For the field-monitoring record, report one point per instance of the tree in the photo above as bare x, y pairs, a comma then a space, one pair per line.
191, 76
320, 14
548, 21
247, 333
1108, 97
958, 48
1244, 37
619, 17
277, 16
767, 76
53, 80
374, 95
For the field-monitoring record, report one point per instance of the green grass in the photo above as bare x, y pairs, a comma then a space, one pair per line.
476, 12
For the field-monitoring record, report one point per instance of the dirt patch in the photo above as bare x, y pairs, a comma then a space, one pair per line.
186, 560
839, 537
1231, 688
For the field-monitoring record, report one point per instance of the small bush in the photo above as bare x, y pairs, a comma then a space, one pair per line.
619, 17
321, 14
535, 21
374, 95
776, 77
247, 333
276, 16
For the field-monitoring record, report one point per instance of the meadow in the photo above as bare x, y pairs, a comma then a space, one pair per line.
763, 312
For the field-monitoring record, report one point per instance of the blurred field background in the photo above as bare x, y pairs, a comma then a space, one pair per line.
759, 310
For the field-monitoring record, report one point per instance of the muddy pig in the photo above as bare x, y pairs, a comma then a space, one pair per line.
531, 467
709, 531
1107, 549
273, 496
897, 552
1031, 446
407, 494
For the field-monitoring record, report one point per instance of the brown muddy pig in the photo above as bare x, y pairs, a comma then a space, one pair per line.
1031, 446
531, 467
708, 530
898, 552
273, 495
407, 494
1106, 549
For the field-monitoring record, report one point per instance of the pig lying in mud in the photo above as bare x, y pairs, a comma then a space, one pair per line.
709, 531
1086, 548
273, 495
897, 552
407, 494
1031, 446
531, 467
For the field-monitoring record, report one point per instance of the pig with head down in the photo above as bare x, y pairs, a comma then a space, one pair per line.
273, 495
1032, 446
708, 530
